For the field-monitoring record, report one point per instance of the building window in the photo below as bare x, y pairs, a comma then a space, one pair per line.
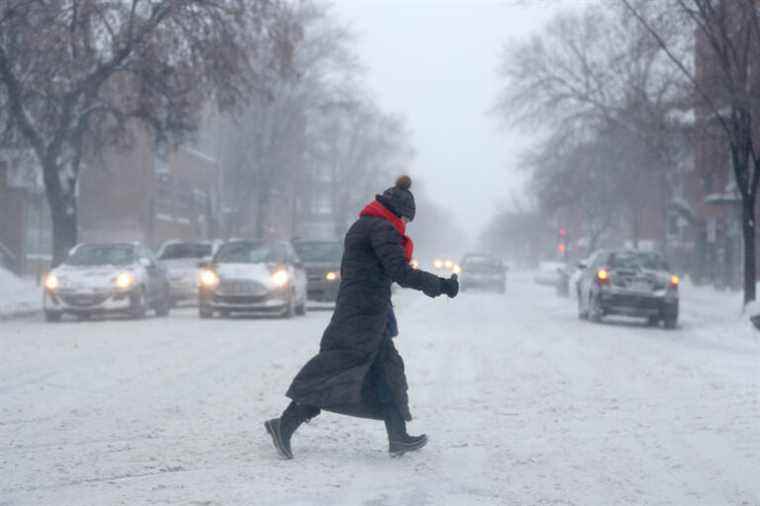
707, 181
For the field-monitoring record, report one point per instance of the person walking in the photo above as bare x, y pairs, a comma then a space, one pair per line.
358, 371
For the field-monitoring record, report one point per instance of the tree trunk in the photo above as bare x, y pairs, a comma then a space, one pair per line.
63, 211
748, 232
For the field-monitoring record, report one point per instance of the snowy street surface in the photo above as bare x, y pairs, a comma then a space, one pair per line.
524, 404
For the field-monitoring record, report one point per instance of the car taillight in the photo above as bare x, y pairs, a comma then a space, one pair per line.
674, 281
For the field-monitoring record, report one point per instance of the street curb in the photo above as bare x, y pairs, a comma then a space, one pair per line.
20, 314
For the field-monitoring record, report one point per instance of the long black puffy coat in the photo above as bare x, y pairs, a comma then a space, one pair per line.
338, 378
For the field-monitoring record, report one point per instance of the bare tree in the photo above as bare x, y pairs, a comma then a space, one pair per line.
725, 85
75, 74
316, 126
603, 92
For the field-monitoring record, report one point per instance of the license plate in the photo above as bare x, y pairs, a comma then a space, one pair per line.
640, 286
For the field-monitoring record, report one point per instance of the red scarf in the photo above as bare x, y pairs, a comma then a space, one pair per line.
378, 210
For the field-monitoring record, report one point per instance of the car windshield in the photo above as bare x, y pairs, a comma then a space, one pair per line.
635, 260
481, 262
248, 253
180, 250
88, 255
319, 251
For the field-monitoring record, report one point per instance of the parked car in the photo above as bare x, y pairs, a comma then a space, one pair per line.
104, 279
483, 271
321, 259
258, 277
181, 260
629, 283
549, 273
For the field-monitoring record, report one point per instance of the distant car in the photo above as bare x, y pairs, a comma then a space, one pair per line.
105, 279
181, 259
321, 259
444, 267
483, 271
549, 273
629, 283
257, 277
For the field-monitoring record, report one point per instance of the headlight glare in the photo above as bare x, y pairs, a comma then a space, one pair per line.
124, 280
331, 276
208, 278
438, 264
280, 278
51, 282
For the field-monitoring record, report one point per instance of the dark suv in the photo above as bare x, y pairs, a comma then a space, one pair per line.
629, 283
321, 260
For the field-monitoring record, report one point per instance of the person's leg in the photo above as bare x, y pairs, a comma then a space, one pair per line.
399, 441
282, 429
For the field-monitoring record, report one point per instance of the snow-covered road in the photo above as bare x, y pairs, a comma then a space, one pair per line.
524, 404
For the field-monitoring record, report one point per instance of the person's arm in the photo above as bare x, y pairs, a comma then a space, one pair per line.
386, 241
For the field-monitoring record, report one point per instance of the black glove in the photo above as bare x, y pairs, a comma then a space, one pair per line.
450, 286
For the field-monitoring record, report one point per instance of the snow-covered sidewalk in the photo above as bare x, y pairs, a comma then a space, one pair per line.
18, 297
524, 404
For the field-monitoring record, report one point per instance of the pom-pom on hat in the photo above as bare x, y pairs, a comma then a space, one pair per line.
398, 199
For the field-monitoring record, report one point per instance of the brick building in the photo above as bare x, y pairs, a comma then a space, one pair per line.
143, 193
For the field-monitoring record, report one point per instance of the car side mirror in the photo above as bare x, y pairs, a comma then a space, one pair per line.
582, 265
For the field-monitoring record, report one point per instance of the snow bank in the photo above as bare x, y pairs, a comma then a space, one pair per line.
17, 296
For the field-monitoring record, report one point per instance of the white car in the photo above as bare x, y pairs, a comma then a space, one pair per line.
181, 259
106, 278
255, 277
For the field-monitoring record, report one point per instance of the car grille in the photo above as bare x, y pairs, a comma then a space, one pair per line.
84, 300
241, 287
241, 299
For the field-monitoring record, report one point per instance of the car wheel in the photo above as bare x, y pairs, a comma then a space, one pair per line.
137, 306
290, 310
671, 322
163, 308
205, 313
582, 313
53, 316
653, 321
594, 309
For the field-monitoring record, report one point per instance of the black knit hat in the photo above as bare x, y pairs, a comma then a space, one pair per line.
398, 199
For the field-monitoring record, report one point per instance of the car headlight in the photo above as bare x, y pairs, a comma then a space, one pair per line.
456, 269
124, 280
449, 264
280, 278
51, 282
414, 264
438, 264
208, 278
331, 276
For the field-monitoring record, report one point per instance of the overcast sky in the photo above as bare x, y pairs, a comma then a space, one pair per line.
435, 61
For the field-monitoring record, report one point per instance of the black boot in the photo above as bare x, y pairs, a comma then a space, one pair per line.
399, 442
282, 429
